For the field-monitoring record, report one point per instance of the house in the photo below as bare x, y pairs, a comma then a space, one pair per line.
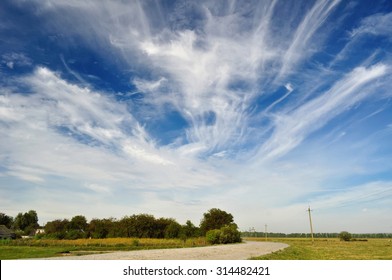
39, 231
6, 233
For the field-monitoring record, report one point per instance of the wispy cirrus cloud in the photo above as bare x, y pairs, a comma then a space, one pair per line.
225, 104
65, 129
13, 59
292, 128
215, 92
302, 38
377, 25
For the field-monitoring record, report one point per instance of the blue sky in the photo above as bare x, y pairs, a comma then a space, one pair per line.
260, 108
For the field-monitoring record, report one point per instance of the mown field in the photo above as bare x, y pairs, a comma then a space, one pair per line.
43, 248
330, 249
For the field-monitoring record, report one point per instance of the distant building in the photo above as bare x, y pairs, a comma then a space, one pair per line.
6, 233
39, 231
26, 236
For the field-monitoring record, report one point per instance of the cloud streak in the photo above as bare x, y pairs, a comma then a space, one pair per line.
291, 129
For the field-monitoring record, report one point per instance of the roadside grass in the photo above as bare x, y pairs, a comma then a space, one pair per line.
25, 252
44, 248
329, 249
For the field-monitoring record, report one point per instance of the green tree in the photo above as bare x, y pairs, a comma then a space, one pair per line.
190, 230
79, 223
215, 219
160, 227
27, 222
345, 236
6, 220
126, 227
101, 228
144, 225
77, 228
57, 229
173, 230
141, 226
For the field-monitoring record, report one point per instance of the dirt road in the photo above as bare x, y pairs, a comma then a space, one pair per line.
240, 251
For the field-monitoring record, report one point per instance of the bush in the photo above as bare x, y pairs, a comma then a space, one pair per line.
345, 236
56, 235
213, 236
229, 234
75, 234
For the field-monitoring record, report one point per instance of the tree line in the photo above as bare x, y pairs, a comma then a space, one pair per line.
136, 226
23, 223
316, 235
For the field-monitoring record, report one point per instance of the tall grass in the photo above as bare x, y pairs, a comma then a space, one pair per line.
109, 242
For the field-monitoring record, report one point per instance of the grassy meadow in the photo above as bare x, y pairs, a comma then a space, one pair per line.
43, 248
329, 249
300, 248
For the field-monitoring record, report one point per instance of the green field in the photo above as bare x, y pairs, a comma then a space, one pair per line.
300, 248
330, 249
44, 248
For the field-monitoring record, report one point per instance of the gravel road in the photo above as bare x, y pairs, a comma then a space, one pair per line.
240, 251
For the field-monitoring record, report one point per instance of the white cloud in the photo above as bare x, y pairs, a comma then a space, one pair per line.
10, 64
13, 59
291, 129
378, 24
135, 151
289, 87
301, 40
102, 145
211, 70
148, 86
98, 188
223, 74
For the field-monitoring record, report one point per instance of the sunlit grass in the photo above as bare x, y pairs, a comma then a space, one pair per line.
330, 249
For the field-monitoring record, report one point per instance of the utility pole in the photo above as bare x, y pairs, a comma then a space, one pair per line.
252, 229
311, 225
265, 230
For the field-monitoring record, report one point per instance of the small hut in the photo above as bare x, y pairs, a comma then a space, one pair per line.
6, 233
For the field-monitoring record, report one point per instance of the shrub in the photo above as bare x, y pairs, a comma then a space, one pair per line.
224, 235
213, 236
229, 234
75, 234
345, 236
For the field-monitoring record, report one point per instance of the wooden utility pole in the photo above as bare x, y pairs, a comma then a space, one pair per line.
265, 230
252, 229
311, 225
